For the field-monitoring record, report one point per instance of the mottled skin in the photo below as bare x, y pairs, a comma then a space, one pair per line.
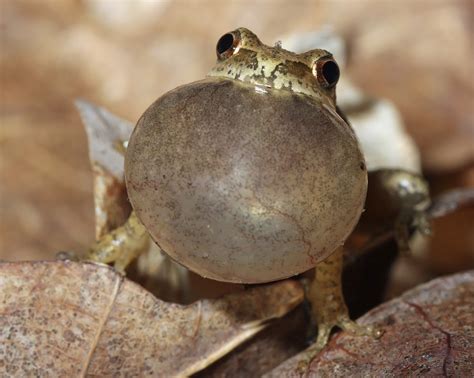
122, 245
254, 63
396, 200
250, 175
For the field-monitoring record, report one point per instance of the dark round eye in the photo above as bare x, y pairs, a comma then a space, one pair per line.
331, 72
327, 72
226, 45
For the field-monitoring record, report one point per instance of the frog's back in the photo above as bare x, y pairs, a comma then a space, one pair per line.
244, 183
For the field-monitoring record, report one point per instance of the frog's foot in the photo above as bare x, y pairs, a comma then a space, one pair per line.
422, 223
67, 256
346, 324
419, 222
328, 307
324, 331
121, 246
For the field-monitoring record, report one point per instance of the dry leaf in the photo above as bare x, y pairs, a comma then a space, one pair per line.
453, 232
451, 201
427, 331
106, 134
70, 319
262, 353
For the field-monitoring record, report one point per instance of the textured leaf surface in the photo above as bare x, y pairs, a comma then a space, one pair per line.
69, 319
427, 331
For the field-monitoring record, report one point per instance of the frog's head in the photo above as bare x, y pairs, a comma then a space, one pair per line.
241, 56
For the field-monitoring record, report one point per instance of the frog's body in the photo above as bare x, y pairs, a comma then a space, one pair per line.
249, 175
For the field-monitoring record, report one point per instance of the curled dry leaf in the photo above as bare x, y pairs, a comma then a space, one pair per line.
449, 202
427, 331
452, 231
259, 355
70, 319
106, 134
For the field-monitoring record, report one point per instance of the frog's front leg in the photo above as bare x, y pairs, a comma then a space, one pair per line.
328, 306
410, 218
402, 233
122, 245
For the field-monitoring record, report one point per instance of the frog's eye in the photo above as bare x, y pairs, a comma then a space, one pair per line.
227, 45
327, 72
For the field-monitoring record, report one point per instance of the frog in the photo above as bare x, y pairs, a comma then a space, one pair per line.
250, 175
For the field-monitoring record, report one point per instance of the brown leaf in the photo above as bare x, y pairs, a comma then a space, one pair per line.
449, 202
106, 135
262, 353
452, 231
65, 318
427, 331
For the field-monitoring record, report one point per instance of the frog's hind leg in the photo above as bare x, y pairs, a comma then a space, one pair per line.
328, 306
122, 245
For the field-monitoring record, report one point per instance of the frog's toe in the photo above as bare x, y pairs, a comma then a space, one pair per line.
360, 329
309, 355
120, 268
324, 331
67, 256
423, 224
120, 246
346, 324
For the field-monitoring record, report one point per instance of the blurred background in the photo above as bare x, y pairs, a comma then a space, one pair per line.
124, 54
